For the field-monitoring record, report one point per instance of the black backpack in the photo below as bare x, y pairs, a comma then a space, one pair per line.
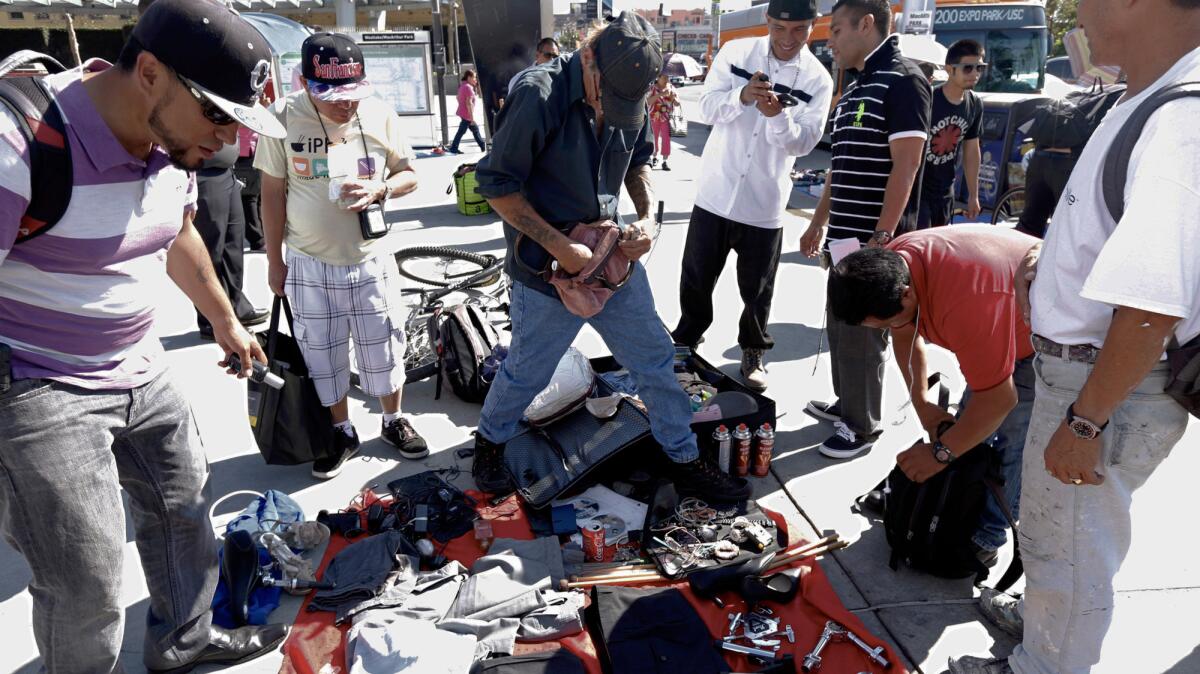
1069, 122
466, 337
41, 124
1184, 361
929, 526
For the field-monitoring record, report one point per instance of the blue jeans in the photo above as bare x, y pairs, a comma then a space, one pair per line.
463, 125
1009, 443
65, 455
543, 329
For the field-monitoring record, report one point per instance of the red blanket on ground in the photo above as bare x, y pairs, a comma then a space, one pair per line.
315, 642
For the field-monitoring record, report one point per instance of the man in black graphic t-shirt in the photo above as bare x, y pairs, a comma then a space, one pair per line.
956, 119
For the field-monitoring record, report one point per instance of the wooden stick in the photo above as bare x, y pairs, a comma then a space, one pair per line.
806, 548
780, 563
618, 580
602, 566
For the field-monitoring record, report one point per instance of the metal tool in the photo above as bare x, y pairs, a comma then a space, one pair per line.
734, 619
812, 661
787, 631
746, 650
876, 654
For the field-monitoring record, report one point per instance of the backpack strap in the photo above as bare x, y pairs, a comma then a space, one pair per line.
1016, 568
1116, 161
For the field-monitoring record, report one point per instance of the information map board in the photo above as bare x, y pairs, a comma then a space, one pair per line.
399, 66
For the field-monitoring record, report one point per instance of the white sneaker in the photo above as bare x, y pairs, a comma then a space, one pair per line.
1003, 610
754, 373
844, 444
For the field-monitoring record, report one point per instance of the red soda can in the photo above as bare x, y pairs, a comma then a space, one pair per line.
741, 450
593, 542
765, 437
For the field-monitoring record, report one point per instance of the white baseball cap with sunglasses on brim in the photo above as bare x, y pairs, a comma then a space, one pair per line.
218, 56
333, 66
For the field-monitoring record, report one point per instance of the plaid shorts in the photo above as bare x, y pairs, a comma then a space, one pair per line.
331, 304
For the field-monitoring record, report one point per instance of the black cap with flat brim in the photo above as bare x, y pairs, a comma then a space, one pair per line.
793, 10
215, 51
629, 59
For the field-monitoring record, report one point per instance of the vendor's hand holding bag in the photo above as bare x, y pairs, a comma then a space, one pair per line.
585, 293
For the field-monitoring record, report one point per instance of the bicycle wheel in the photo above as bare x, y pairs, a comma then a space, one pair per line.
1009, 206
443, 266
420, 354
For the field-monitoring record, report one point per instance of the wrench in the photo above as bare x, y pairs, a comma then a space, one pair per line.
746, 650
876, 654
812, 661
791, 636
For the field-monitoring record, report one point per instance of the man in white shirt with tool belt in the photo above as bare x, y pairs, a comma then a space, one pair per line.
1108, 298
767, 100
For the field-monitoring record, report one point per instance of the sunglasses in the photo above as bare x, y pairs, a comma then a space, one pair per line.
971, 67
550, 54
211, 112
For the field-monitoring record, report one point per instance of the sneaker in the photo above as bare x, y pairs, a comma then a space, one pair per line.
344, 447
754, 373
400, 434
1003, 610
702, 478
844, 444
969, 664
665, 167
824, 411
488, 467
654, 160
986, 557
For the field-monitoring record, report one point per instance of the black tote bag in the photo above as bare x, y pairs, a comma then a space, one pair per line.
290, 424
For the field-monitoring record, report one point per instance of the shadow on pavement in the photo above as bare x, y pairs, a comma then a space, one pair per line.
793, 341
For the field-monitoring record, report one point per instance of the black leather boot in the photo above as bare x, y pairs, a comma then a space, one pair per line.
232, 647
239, 566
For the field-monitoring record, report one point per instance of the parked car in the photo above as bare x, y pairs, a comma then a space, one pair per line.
1060, 67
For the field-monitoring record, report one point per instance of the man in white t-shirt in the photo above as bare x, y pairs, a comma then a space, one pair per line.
339, 284
1107, 299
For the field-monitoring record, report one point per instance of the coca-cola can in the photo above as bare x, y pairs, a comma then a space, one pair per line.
765, 438
741, 450
593, 542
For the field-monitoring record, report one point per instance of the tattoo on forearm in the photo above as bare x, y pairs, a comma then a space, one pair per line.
526, 221
641, 191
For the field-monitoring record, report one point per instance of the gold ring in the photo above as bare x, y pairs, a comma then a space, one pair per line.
1077, 480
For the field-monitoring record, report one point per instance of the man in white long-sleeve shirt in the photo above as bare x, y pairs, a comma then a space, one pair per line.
760, 125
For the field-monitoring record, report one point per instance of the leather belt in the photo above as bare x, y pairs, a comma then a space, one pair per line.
1078, 353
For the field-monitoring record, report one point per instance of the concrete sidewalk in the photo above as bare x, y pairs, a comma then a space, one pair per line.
927, 619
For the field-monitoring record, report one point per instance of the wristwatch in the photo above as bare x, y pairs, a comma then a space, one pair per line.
881, 237
1084, 429
942, 453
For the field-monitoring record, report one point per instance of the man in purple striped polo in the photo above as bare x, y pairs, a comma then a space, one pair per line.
91, 407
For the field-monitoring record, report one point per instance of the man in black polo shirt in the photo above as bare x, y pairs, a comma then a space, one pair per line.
880, 127
571, 133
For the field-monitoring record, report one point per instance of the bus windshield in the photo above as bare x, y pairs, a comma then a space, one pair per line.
1015, 58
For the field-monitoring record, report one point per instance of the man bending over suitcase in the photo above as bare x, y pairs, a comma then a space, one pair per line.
571, 133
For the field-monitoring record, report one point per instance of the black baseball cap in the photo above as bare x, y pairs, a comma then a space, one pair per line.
334, 67
629, 58
216, 52
793, 10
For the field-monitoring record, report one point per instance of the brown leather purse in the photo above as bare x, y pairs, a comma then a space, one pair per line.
585, 293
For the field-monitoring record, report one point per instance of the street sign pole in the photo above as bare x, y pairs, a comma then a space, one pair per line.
439, 67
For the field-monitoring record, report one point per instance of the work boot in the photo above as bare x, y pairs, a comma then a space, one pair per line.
845, 443
754, 373
969, 664
1003, 610
986, 557
704, 479
824, 411
401, 435
344, 447
488, 467
232, 647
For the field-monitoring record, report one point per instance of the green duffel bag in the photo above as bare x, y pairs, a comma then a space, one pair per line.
469, 200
